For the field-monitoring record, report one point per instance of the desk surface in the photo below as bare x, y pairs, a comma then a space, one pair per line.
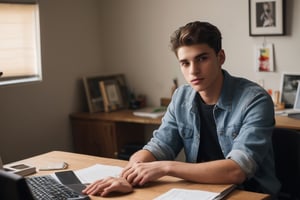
154, 189
127, 116
287, 122
117, 116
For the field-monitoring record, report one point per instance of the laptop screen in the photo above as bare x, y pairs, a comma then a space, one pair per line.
1, 163
297, 99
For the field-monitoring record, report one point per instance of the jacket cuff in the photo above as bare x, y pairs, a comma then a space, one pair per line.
247, 164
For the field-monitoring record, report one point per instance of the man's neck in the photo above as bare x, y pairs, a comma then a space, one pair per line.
211, 95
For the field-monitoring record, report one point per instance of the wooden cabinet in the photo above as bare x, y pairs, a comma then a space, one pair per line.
105, 134
95, 138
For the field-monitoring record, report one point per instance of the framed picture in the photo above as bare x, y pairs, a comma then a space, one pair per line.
111, 94
264, 59
266, 17
288, 89
94, 95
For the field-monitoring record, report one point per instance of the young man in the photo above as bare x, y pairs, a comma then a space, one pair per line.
223, 123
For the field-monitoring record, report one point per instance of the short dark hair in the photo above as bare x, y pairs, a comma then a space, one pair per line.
197, 33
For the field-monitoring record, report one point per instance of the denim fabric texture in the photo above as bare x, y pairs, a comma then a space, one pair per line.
244, 117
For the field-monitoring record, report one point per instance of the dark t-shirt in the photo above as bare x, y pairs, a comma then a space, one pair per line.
209, 148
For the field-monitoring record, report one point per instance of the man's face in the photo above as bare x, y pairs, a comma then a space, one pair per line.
201, 67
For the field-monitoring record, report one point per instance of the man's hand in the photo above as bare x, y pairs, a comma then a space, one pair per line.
141, 173
137, 170
105, 186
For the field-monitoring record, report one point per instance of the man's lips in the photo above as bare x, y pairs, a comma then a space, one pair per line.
197, 81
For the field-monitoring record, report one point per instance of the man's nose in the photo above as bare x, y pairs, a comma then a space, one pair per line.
194, 69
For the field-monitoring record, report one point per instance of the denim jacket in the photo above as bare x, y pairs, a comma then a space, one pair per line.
244, 117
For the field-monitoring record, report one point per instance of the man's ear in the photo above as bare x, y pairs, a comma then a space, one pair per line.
221, 57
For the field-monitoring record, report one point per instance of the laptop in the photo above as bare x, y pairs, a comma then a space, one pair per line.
16, 187
295, 111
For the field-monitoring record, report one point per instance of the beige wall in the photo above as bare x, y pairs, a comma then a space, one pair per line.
34, 117
142, 30
88, 37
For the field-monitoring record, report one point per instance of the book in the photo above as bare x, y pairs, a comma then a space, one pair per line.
152, 112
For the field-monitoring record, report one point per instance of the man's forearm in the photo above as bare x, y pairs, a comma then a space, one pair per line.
220, 172
142, 156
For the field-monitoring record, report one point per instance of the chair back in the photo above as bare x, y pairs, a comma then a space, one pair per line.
286, 145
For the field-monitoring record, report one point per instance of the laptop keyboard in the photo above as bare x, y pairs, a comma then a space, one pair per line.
47, 188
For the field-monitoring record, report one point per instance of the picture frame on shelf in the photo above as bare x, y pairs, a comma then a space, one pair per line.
93, 92
288, 88
266, 17
111, 94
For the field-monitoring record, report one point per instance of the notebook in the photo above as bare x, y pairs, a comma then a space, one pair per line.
152, 112
295, 111
16, 187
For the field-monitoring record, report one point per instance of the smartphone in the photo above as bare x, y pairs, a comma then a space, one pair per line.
67, 177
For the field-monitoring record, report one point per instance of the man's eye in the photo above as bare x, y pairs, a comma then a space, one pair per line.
184, 64
201, 59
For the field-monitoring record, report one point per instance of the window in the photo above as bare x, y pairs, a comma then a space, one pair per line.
20, 57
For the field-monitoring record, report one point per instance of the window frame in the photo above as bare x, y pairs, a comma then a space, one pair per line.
37, 60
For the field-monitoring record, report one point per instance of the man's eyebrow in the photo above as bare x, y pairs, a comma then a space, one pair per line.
196, 57
183, 60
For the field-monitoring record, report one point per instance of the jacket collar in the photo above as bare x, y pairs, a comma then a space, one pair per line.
225, 99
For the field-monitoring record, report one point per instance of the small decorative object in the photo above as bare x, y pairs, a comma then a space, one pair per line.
175, 86
266, 17
264, 61
137, 102
276, 100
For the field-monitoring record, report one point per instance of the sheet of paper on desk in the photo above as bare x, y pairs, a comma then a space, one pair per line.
184, 194
96, 172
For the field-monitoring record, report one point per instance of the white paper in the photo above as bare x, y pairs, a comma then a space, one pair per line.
184, 194
152, 112
97, 172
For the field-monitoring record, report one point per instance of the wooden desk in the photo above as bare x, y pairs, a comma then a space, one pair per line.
152, 190
287, 122
117, 116
127, 117
105, 134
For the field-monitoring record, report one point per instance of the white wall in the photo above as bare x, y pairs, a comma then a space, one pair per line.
88, 37
141, 31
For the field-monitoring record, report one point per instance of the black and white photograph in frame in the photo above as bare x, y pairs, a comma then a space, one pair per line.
266, 17
288, 89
